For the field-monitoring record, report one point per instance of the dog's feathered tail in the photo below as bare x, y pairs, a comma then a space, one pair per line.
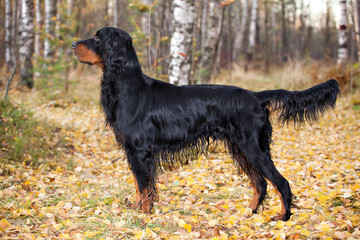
301, 106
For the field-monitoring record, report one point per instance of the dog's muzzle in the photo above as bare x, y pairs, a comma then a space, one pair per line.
74, 44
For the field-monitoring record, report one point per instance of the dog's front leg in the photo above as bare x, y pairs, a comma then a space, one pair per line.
142, 167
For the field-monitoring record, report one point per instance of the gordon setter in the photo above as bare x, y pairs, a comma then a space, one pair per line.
158, 123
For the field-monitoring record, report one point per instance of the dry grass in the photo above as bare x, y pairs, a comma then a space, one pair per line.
293, 76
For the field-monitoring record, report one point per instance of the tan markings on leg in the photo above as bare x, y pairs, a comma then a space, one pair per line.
283, 211
255, 200
86, 55
138, 196
146, 201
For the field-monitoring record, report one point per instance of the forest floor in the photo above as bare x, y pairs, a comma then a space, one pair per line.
80, 193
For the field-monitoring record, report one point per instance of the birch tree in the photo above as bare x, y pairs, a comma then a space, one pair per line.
26, 50
252, 33
8, 26
145, 23
50, 17
214, 26
342, 50
10, 41
39, 23
181, 42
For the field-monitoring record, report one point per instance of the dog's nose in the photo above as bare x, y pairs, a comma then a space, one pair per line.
73, 44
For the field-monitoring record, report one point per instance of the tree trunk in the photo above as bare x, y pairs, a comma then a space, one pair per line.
267, 40
214, 27
327, 33
39, 23
146, 29
50, 20
240, 35
342, 51
274, 48
252, 34
115, 13
204, 24
292, 22
70, 5
27, 44
105, 13
302, 30
357, 24
353, 53
284, 39
145, 24
8, 26
16, 15
307, 30
164, 27
181, 42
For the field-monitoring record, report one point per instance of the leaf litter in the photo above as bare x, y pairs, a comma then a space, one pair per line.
82, 195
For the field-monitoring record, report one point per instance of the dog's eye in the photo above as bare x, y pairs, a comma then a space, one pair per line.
96, 38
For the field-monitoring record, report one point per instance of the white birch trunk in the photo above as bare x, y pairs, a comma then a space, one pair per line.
26, 50
239, 37
50, 23
342, 51
214, 25
8, 57
39, 23
181, 42
70, 7
145, 24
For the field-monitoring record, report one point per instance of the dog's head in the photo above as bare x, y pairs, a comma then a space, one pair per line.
107, 49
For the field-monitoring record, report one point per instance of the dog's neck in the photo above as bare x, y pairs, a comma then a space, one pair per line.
132, 68
120, 86
124, 71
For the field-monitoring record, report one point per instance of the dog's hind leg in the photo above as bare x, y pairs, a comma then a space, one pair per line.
255, 158
265, 166
282, 188
258, 182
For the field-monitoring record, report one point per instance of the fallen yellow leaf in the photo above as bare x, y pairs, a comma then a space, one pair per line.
213, 222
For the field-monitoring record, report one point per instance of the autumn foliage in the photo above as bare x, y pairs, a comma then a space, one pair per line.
78, 189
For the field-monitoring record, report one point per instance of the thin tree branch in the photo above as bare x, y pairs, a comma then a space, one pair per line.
9, 82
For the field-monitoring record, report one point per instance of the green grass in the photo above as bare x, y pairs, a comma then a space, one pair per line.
23, 139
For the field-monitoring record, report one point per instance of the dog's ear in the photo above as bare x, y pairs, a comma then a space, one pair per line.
116, 49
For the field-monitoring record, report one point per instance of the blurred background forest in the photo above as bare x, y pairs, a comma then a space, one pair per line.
62, 175
306, 39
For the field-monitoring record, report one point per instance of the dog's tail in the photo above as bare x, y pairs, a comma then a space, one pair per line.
301, 106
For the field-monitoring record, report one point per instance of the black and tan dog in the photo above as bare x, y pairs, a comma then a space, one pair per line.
154, 120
